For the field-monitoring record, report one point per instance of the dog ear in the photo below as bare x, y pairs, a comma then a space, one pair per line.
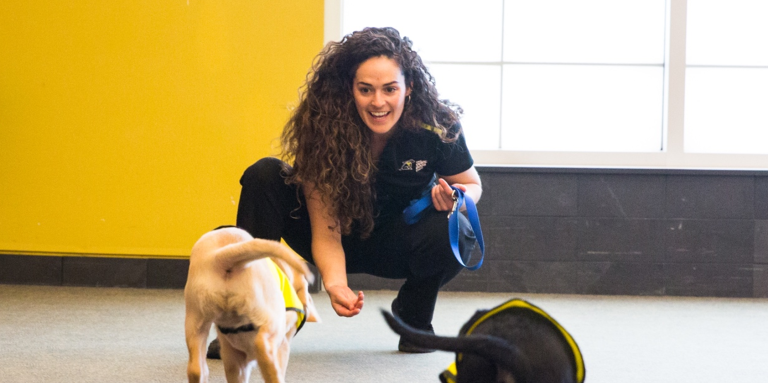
310, 310
301, 286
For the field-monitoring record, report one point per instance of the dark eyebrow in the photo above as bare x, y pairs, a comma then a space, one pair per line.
387, 84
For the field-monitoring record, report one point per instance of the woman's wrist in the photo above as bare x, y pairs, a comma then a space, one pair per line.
334, 282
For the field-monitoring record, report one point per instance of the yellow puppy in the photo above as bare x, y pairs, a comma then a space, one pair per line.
255, 292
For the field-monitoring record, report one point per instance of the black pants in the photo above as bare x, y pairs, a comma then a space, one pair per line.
420, 253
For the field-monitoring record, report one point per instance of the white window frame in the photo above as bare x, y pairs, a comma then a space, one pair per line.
672, 156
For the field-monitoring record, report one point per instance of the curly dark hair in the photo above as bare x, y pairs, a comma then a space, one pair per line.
327, 140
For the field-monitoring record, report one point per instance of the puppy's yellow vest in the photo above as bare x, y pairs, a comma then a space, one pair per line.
292, 301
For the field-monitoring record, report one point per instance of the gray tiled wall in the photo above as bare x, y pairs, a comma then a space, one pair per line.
93, 271
580, 231
632, 232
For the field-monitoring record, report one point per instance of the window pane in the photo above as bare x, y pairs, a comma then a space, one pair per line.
582, 108
476, 88
584, 31
727, 32
452, 30
725, 110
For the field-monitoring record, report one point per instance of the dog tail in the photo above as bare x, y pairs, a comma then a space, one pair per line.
491, 348
240, 253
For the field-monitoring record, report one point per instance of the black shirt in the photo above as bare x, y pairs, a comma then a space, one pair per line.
408, 166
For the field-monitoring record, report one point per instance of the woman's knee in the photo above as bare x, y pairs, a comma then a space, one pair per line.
265, 171
433, 252
437, 237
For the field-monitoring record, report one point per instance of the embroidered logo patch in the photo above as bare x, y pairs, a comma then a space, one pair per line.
413, 165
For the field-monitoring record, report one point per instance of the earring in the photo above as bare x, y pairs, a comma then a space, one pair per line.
407, 99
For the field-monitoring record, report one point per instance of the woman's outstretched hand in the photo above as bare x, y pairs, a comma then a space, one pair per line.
344, 301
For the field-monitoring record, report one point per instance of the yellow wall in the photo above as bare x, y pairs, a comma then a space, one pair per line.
125, 124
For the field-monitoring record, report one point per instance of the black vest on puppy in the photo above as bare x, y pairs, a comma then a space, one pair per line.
513, 342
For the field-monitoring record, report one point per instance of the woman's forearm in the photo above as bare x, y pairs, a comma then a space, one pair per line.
330, 260
327, 251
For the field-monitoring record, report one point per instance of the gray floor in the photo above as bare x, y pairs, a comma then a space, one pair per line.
73, 334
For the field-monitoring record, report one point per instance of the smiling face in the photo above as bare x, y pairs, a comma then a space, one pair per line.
379, 89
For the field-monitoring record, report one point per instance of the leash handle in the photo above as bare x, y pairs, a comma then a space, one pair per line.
474, 221
412, 214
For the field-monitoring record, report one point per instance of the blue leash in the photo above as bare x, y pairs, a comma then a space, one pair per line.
412, 214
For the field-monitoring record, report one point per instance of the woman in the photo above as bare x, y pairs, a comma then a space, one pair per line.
368, 137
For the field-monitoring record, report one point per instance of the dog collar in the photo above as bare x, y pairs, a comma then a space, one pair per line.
236, 330
449, 375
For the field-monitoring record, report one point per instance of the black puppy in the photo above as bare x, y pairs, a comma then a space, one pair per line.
515, 342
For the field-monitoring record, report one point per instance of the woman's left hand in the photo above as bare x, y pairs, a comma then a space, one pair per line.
442, 195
